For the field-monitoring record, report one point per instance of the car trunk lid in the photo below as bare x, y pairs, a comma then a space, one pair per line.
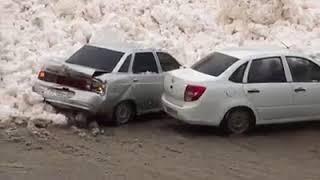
72, 70
69, 75
176, 82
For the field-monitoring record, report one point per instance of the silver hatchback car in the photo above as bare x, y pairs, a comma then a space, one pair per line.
116, 82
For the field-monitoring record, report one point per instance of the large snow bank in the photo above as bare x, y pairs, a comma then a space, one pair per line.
36, 30
295, 22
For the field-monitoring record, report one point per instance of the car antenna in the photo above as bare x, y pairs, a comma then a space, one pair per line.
283, 43
288, 47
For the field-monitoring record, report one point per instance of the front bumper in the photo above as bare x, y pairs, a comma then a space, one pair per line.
72, 99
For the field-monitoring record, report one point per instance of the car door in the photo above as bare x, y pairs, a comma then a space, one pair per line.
267, 88
147, 82
305, 86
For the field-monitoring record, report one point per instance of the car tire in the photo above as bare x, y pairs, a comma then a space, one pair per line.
81, 119
123, 113
238, 121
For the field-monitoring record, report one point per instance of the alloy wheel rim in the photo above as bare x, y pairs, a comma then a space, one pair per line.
123, 113
239, 122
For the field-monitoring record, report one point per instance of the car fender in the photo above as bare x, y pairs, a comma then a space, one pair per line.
118, 89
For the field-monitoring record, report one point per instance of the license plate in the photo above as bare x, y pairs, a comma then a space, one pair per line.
57, 94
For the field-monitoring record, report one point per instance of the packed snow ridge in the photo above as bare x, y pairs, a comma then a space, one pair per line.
34, 31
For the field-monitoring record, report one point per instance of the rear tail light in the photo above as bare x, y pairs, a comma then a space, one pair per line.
41, 75
86, 84
98, 87
193, 93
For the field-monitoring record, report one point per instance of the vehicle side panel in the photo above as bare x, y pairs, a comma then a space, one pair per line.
119, 88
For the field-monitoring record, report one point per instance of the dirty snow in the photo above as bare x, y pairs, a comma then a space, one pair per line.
34, 31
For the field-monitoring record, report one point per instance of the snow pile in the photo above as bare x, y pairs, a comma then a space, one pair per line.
265, 12
295, 22
37, 30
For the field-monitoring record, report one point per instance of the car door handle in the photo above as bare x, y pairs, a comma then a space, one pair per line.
300, 89
135, 80
253, 91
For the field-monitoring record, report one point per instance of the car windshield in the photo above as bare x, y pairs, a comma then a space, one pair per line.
97, 58
214, 64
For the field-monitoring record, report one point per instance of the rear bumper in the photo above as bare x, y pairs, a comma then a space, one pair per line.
189, 114
79, 100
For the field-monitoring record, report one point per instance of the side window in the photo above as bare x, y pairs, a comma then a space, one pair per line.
237, 76
268, 70
167, 62
144, 62
303, 70
126, 64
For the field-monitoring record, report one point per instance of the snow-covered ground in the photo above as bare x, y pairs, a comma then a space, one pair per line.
33, 31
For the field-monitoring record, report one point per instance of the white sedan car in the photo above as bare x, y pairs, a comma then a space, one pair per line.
238, 89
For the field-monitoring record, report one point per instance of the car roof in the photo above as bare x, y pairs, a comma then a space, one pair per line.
124, 47
244, 53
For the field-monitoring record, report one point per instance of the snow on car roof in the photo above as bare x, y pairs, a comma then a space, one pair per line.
122, 47
258, 52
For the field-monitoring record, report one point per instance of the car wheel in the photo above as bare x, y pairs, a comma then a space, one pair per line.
81, 119
238, 121
123, 113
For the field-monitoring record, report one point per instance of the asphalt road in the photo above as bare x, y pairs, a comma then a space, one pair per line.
157, 147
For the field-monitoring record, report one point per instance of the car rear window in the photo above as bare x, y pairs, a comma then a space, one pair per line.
214, 64
97, 58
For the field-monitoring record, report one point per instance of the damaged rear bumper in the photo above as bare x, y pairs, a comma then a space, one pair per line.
69, 98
